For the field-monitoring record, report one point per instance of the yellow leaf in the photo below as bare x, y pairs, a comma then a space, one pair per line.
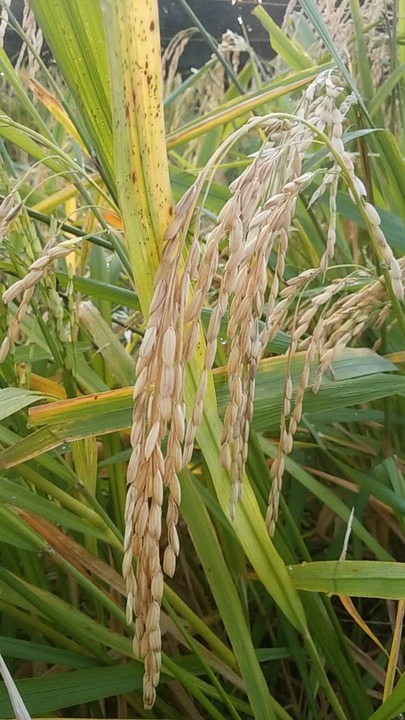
347, 603
56, 109
47, 386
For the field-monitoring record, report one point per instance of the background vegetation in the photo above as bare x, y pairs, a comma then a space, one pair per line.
307, 623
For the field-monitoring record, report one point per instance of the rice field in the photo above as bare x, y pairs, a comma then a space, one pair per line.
202, 346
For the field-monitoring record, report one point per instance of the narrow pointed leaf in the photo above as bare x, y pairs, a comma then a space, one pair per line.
356, 578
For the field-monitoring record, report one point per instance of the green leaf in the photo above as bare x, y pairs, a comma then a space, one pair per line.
43, 695
392, 169
226, 597
14, 399
394, 705
359, 376
70, 621
369, 483
16, 494
118, 361
292, 54
9, 74
237, 108
328, 498
363, 63
385, 89
75, 34
15, 532
350, 577
40, 652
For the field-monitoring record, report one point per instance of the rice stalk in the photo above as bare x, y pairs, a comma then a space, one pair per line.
254, 223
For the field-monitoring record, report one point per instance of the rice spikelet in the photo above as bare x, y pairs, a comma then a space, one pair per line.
26, 287
34, 35
253, 225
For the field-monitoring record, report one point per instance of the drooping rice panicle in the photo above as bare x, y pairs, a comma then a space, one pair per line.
3, 20
340, 25
26, 287
35, 37
252, 227
8, 212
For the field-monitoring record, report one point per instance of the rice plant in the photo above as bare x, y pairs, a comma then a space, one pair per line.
201, 491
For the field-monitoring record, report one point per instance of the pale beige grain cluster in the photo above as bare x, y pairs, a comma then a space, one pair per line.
232, 268
3, 19
384, 251
206, 93
244, 284
309, 313
171, 57
337, 17
170, 340
339, 315
320, 108
159, 412
26, 287
337, 321
8, 212
358, 194
255, 222
231, 46
349, 316
323, 107
34, 35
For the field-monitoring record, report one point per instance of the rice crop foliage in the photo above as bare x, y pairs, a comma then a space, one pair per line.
201, 367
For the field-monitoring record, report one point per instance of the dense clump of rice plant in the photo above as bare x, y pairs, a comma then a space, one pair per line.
255, 221
207, 322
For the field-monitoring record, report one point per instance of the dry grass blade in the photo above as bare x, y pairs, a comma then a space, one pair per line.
16, 700
3, 20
